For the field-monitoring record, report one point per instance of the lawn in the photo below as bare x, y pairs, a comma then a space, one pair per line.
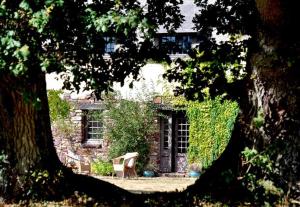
149, 185
134, 185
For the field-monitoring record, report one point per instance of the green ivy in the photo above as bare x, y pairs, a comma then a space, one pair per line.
211, 124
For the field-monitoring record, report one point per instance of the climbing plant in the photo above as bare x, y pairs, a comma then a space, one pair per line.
211, 124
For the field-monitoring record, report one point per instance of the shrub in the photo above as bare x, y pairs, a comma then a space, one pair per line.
101, 167
131, 125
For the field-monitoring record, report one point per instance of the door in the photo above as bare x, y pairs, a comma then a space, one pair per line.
166, 143
174, 142
181, 143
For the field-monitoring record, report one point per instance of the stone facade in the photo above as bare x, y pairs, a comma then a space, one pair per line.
154, 140
69, 135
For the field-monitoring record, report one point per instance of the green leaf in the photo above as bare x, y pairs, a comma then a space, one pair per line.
22, 53
45, 64
54, 2
104, 28
18, 69
24, 5
39, 20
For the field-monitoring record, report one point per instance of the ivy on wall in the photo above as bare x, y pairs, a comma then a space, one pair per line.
211, 124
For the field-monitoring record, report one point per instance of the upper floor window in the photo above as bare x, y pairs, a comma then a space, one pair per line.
93, 128
110, 43
176, 44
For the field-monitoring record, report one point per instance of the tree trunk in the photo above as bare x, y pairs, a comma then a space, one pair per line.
29, 165
26, 143
276, 92
273, 94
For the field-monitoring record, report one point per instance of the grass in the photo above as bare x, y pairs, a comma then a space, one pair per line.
135, 185
150, 185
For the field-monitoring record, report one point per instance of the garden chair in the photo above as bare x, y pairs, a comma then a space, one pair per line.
124, 165
77, 163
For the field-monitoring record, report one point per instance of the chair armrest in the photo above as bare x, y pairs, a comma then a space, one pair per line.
73, 156
117, 160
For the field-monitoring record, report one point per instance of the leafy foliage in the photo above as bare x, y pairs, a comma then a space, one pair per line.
59, 111
260, 177
68, 37
217, 65
58, 108
131, 126
41, 184
101, 167
211, 123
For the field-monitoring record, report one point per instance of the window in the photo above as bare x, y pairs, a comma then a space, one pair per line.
109, 45
93, 128
166, 133
179, 44
182, 135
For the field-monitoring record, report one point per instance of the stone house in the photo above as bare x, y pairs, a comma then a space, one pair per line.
170, 142
87, 137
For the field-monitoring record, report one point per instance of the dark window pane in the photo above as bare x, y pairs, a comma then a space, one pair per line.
94, 125
179, 44
109, 44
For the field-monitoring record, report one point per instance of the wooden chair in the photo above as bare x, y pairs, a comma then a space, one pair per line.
124, 166
77, 163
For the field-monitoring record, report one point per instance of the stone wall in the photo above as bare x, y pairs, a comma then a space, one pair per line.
69, 135
154, 157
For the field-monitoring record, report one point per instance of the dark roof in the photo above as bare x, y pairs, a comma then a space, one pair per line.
188, 9
167, 107
90, 106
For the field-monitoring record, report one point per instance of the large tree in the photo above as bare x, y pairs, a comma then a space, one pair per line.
38, 37
256, 64
67, 37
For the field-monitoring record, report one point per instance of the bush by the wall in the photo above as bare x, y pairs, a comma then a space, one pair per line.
211, 124
130, 127
101, 167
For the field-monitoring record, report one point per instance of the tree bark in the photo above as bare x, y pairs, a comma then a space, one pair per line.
272, 90
29, 165
276, 92
25, 133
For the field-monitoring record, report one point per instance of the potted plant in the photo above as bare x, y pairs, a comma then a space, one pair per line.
195, 169
150, 170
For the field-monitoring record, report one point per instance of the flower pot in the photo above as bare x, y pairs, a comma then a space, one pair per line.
194, 174
148, 173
